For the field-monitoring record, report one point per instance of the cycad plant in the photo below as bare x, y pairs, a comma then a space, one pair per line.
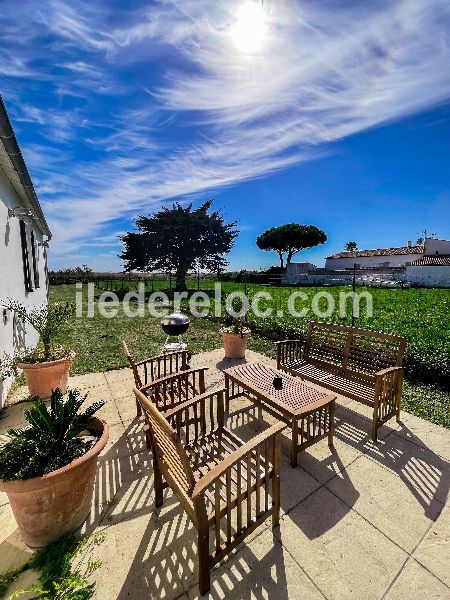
47, 320
52, 440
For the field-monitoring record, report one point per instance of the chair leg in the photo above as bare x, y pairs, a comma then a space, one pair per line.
294, 443
159, 486
374, 430
204, 565
138, 409
331, 409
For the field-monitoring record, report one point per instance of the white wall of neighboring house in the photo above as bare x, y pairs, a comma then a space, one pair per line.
431, 246
394, 260
12, 281
429, 275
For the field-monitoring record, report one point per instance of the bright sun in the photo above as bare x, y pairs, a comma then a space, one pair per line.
249, 31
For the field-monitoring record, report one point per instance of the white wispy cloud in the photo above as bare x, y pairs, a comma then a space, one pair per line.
197, 114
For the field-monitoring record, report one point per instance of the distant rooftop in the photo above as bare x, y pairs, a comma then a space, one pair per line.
379, 252
441, 260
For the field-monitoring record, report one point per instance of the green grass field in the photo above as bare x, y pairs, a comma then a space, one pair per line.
422, 316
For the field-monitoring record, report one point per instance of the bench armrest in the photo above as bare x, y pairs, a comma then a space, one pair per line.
239, 455
198, 416
388, 370
288, 351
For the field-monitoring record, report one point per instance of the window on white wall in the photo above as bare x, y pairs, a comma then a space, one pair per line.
25, 257
35, 259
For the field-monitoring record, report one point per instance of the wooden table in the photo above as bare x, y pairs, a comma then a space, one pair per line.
308, 411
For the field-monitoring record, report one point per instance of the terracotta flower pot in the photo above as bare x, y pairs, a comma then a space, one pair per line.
44, 377
47, 507
234, 344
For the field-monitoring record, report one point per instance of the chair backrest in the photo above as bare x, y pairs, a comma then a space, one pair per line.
352, 349
156, 367
168, 392
169, 452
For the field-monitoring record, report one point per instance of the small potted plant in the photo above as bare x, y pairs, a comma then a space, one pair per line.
48, 469
235, 336
47, 366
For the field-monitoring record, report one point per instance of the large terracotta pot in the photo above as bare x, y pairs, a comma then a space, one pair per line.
47, 507
234, 344
44, 377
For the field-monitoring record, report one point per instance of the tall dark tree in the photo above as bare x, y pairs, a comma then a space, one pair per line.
290, 239
179, 239
350, 246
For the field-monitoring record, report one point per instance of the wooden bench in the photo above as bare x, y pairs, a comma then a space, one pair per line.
361, 364
227, 487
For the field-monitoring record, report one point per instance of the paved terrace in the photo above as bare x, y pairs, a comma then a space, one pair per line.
360, 521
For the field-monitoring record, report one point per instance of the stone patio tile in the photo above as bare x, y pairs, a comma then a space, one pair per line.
385, 501
109, 411
3, 499
261, 569
361, 415
118, 444
324, 462
425, 474
114, 476
90, 380
8, 523
18, 394
345, 556
428, 435
434, 552
127, 408
24, 582
12, 416
143, 557
416, 582
119, 375
122, 389
14, 553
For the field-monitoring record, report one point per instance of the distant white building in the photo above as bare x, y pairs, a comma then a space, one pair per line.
382, 257
430, 271
23, 239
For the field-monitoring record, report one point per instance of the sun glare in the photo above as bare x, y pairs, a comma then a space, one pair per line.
249, 31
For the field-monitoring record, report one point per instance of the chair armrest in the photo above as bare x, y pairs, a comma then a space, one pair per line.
219, 470
193, 414
173, 376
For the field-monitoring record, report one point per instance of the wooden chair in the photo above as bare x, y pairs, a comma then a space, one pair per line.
222, 482
156, 367
171, 391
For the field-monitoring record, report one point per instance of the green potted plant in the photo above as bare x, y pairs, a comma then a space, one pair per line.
47, 366
48, 469
235, 336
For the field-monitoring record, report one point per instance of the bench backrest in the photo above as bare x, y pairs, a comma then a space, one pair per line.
353, 350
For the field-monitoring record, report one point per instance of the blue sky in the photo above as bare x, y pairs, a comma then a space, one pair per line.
341, 119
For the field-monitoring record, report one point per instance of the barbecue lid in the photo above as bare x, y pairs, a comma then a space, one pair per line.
175, 319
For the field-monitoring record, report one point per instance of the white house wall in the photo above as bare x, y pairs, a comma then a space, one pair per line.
429, 275
432, 246
370, 261
12, 283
